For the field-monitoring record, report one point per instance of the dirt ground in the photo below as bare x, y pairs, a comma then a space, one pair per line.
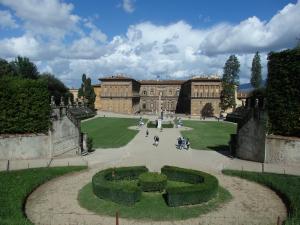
56, 201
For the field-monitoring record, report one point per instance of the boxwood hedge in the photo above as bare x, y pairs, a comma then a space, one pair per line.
152, 181
104, 185
205, 186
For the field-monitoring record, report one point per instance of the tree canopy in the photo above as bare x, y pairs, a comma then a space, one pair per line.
230, 80
87, 92
256, 79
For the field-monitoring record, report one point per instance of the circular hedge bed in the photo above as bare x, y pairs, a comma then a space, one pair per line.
202, 188
151, 181
121, 189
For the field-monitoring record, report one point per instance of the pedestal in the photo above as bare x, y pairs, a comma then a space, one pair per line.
159, 123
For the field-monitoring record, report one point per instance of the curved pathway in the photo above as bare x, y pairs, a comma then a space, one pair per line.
56, 201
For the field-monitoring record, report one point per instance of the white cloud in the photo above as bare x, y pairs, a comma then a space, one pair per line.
128, 6
45, 17
7, 20
172, 51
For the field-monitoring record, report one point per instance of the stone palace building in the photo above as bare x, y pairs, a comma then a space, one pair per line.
123, 94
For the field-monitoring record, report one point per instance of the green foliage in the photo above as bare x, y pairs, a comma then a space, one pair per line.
23, 106
23, 67
6, 68
151, 124
116, 132
152, 206
152, 181
256, 71
229, 81
87, 92
283, 91
204, 188
209, 135
207, 110
56, 88
89, 143
287, 186
105, 184
167, 125
15, 186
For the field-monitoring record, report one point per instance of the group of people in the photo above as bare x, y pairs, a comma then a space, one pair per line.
183, 143
156, 138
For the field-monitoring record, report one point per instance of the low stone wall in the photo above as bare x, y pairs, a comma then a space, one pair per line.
280, 149
63, 140
25, 146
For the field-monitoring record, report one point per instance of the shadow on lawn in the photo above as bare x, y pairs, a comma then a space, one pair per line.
222, 149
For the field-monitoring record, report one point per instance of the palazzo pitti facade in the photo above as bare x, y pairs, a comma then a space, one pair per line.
123, 94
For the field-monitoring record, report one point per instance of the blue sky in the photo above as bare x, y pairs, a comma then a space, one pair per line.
174, 39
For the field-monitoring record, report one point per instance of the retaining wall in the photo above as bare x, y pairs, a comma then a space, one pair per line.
284, 150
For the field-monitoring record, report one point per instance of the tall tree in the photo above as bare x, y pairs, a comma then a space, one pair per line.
256, 71
5, 68
229, 82
56, 88
87, 92
23, 67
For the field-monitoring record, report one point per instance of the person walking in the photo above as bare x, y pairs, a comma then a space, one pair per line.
147, 133
187, 144
179, 143
157, 140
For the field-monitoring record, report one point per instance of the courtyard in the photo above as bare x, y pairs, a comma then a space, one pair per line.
251, 203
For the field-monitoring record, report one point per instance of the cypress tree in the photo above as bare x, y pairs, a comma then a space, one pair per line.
229, 81
256, 71
87, 92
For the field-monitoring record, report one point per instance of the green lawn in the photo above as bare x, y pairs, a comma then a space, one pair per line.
209, 135
287, 186
110, 132
151, 207
15, 186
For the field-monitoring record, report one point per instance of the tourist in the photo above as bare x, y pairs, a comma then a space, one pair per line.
147, 133
187, 144
183, 142
157, 140
179, 143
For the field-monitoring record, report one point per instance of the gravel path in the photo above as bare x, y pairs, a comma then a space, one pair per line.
56, 201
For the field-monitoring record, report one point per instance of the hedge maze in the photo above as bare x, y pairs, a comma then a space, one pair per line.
202, 186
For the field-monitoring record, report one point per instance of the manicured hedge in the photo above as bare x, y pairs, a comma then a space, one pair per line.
151, 124
283, 92
167, 125
152, 181
205, 186
24, 106
105, 187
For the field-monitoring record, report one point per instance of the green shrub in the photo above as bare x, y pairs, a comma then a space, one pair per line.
283, 91
89, 144
167, 125
151, 124
24, 106
151, 181
205, 186
106, 187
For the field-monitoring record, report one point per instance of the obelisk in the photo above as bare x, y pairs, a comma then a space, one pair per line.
159, 112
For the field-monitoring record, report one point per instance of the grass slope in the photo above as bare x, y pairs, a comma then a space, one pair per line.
15, 186
209, 135
110, 132
287, 186
151, 207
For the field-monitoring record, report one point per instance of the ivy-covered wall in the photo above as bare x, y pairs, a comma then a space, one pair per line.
24, 106
283, 92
